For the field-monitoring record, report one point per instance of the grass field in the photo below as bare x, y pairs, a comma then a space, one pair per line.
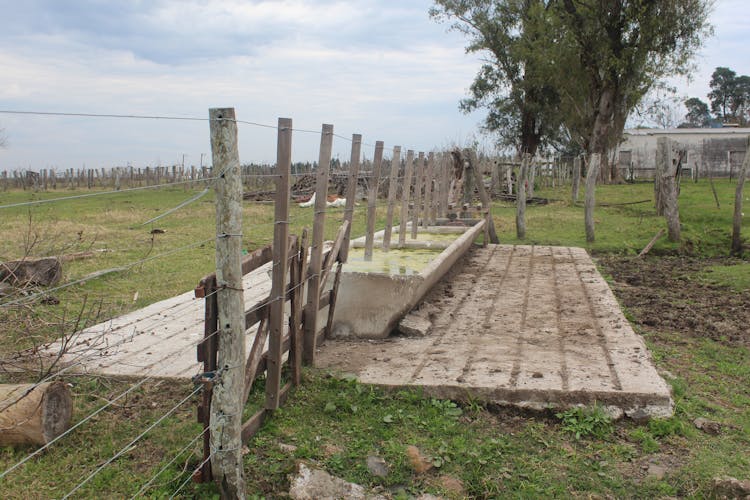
686, 299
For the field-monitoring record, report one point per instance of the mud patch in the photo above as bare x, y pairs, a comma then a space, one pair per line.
666, 294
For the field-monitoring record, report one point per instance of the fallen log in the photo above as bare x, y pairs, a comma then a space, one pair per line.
32, 414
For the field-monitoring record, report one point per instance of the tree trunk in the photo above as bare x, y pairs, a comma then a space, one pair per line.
737, 221
34, 415
576, 178
521, 198
591, 174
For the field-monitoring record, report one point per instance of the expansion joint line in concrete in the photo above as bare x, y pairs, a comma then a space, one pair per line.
602, 339
486, 322
443, 330
516, 371
561, 334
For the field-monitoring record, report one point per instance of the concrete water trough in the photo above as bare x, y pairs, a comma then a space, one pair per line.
374, 295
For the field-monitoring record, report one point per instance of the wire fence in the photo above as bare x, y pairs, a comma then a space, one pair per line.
74, 352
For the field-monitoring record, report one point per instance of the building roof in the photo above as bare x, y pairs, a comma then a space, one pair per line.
733, 131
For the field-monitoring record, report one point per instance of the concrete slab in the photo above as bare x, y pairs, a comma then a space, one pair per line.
532, 326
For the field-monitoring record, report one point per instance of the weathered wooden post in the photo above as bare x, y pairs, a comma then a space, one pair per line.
737, 219
351, 193
418, 184
591, 175
428, 188
667, 170
280, 263
484, 197
405, 196
316, 254
521, 197
372, 200
392, 190
226, 403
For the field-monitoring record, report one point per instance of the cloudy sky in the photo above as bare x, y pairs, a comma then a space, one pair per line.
379, 68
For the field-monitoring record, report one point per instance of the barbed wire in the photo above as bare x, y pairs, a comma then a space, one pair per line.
166, 466
128, 447
186, 481
104, 272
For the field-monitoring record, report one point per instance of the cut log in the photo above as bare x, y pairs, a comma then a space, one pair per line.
34, 415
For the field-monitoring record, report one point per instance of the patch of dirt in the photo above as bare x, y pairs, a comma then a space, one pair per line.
665, 293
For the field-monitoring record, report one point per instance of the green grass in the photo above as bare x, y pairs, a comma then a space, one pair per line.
337, 423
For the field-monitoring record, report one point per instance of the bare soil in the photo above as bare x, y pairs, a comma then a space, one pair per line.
665, 293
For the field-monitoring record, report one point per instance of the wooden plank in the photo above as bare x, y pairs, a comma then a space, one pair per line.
253, 424
316, 256
405, 195
373, 199
249, 263
280, 262
351, 192
253, 360
295, 317
418, 186
332, 301
392, 190
333, 255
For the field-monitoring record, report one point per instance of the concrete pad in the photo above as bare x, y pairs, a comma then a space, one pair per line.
530, 326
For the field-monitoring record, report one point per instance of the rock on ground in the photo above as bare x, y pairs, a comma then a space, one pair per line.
729, 487
414, 325
310, 483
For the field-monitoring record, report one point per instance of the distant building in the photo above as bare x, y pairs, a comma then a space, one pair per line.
718, 152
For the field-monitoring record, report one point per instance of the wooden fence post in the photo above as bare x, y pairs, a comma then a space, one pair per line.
591, 175
405, 195
280, 263
392, 189
372, 200
418, 185
316, 255
226, 404
351, 193
737, 219
428, 186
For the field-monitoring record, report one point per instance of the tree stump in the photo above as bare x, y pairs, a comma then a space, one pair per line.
34, 415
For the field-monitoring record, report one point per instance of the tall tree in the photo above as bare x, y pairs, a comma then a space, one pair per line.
722, 88
698, 114
513, 84
730, 96
623, 48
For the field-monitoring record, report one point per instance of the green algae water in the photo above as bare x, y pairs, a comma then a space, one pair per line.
404, 262
446, 237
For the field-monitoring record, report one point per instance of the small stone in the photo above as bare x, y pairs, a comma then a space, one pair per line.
287, 448
707, 426
377, 466
656, 471
414, 325
729, 487
312, 484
